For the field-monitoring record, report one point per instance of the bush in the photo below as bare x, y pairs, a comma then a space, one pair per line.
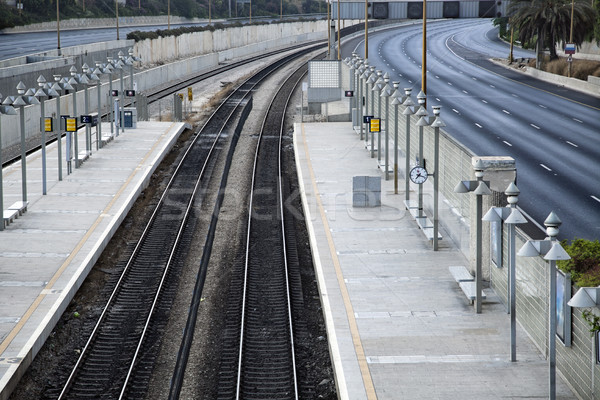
584, 265
580, 68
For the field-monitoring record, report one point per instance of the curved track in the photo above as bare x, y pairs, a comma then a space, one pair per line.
117, 362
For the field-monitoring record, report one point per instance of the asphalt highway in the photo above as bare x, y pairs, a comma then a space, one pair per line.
552, 132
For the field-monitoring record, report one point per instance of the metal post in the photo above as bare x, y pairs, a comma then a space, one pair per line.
57, 126
42, 115
387, 122
408, 103
422, 114
122, 105
478, 251
437, 124
21, 103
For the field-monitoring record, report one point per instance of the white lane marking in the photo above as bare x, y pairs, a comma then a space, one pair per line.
506, 112
535, 126
572, 144
595, 198
492, 86
465, 92
438, 99
484, 101
473, 78
578, 120
455, 110
543, 106
507, 143
477, 125
514, 95
545, 167
450, 83
437, 77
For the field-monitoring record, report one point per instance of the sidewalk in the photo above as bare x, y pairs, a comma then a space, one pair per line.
399, 326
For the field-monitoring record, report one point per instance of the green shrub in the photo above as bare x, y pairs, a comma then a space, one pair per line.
584, 264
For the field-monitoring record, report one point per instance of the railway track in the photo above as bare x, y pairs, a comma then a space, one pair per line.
258, 359
117, 360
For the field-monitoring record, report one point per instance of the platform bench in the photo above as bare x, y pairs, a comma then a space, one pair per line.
461, 274
470, 291
19, 206
466, 281
9, 216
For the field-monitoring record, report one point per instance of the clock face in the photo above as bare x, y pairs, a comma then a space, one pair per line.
418, 175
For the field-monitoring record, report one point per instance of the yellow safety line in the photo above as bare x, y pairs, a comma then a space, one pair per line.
360, 354
15, 331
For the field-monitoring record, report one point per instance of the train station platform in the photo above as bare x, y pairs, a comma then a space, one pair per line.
46, 253
399, 326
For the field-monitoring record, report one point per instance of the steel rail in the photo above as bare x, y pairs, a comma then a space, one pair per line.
248, 240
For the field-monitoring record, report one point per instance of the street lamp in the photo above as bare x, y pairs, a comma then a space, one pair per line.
408, 111
386, 92
109, 70
511, 216
480, 188
44, 91
436, 124
21, 101
100, 69
552, 251
396, 102
120, 66
8, 110
588, 297
364, 76
422, 122
87, 80
377, 86
58, 87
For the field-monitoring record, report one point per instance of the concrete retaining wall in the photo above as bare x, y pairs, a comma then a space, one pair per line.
84, 23
198, 59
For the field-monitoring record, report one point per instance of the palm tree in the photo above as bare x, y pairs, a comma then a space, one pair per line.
550, 20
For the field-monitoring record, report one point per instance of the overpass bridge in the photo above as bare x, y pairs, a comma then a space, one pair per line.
413, 9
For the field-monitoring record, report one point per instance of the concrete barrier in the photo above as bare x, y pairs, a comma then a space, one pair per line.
186, 55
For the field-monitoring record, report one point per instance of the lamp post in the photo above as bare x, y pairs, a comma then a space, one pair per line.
44, 91
73, 81
100, 69
511, 216
364, 78
552, 251
57, 126
480, 188
21, 101
421, 122
588, 297
109, 70
8, 110
408, 111
386, 92
396, 102
436, 124
377, 86
120, 65
86, 80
